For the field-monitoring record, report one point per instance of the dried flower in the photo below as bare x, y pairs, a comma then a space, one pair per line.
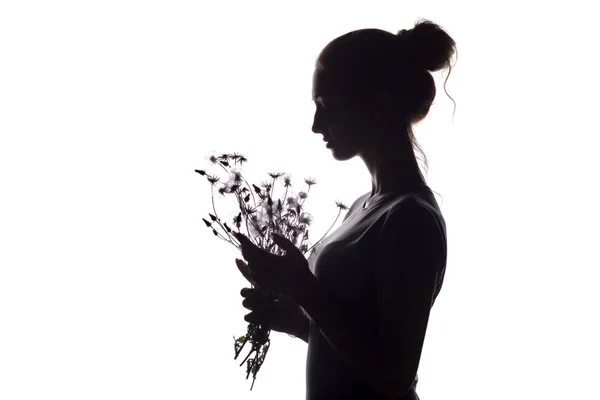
341, 205
305, 218
212, 179
212, 158
236, 176
287, 181
237, 158
310, 181
292, 201
259, 214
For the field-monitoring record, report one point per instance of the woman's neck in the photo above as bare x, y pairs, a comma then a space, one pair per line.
393, 167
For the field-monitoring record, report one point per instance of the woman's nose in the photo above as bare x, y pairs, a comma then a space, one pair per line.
317, 126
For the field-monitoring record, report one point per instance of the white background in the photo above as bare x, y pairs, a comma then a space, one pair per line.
111, 287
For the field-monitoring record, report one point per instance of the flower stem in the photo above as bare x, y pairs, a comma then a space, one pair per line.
218, 221
336, 218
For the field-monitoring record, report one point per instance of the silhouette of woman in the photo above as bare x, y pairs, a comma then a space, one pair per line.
363, 298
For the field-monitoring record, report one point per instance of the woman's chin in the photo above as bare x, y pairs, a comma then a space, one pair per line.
337, 152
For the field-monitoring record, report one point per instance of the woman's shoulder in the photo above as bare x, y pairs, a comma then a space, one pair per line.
416, 207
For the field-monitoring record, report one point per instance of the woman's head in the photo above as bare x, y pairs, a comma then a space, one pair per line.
371, 82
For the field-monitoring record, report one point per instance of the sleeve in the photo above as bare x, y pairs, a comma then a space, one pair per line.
410, 247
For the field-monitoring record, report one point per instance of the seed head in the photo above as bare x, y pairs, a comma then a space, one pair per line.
287, 181
341, 205
236, 175
212, 179
213, 159
291, 201
305, 218
236, 157
310, 181
275, 175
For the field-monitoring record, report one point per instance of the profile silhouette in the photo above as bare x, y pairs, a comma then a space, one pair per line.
379, 273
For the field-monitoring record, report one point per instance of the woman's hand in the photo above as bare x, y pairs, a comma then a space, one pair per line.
281, 274
281, 315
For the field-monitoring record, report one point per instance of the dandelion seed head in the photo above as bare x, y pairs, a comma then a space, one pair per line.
212, 157
266, 208
291, 201
236, 175
305, 218
263, 217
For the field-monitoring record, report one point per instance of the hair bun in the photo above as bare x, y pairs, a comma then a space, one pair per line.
427, 45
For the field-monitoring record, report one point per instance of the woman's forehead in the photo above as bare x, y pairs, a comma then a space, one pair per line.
323, 86
318, 84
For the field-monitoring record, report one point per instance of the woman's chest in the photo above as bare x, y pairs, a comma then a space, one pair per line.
343, 263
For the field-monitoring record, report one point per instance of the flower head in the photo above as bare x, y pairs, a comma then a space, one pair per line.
341, 205
221, 189
248, 209
275, 175
310, 181
236, 175
305, 218
266, 185
236, 157
291, 201
287, 181
212, 179
212, 158
302, 195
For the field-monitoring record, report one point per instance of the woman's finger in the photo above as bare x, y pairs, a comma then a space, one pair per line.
256, 317
260, 302
243, 267
249, 250
252, 293
249, 304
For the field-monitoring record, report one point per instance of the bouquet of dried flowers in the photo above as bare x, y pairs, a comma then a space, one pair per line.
260, 215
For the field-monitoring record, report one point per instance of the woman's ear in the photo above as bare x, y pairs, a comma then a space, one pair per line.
384, 107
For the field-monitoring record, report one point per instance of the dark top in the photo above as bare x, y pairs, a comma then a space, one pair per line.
343, 262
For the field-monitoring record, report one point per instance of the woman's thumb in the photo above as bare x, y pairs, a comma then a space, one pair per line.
243, 267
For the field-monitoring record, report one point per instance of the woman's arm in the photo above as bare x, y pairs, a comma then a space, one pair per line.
383, 371
304, 329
